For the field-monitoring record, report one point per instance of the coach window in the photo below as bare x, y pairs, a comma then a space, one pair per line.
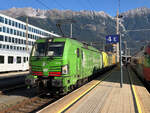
27, 58
14, 47
24, 59
17, 48
1, 59
0, 45
18, 59
78, 52
10, 59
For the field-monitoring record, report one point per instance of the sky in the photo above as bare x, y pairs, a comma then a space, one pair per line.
108, 6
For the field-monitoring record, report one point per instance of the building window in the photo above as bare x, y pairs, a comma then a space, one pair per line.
10, 59
7, 30
4, 29
19, 41
9, 39
18, 33
6, 22
1, 19
18, 59
11, 31
6, 38
1, 29
16, 40
9, 22
11, 47
7, 46
16, 24
13, 23
13, 40
1, 59
15, 32
1, 37
4, 46
14, 47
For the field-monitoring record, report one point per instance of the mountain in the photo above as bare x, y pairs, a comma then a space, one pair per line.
137, 25
90, 26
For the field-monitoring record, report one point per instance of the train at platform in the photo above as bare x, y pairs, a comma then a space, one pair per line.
59, 65
141, 63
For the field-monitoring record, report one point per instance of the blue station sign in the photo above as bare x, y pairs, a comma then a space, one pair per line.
112, 39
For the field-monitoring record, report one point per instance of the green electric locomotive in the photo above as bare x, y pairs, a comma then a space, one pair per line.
58, 65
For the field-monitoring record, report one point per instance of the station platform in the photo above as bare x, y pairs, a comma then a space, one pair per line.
104, 95
13, 74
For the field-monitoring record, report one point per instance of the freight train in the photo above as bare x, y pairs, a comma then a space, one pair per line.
59, 65
142, 63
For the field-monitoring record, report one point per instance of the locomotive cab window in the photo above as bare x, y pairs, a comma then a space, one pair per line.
48, 49
55, 49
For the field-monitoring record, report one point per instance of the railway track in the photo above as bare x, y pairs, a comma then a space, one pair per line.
30, 105
146, 84
13, 88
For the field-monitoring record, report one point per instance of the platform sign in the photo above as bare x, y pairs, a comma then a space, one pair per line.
112, 39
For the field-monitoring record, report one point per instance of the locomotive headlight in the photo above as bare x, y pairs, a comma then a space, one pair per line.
65, 69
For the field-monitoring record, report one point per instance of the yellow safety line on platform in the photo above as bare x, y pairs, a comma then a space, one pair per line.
136, 97
73, 101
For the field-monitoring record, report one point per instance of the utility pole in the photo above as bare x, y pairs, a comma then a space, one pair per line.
119, 47
117, 32
27, 34
125, 47
71, 30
